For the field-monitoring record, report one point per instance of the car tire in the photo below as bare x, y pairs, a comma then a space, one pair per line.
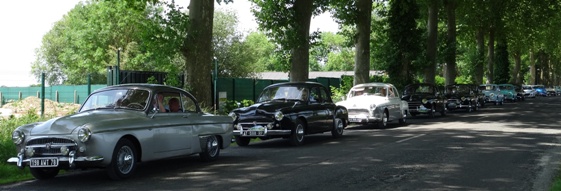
384, 123
403, 119
297, 136
123, 162
242, 141
432, 111
44, 173
210, 148
338, 127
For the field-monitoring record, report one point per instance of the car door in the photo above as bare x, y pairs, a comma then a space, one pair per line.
394, 103
316, 120
327, 109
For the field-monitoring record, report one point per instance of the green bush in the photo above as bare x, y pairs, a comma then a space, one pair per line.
230, 105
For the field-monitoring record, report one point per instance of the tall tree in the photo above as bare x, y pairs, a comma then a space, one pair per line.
450, 53
432, 41
403, 41
288, 24
357, 13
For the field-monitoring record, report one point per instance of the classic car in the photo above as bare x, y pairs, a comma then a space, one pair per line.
551, 91
540, 90
462, 96
557, 89
378, 103
424, 98
509, 92
289, 110
520, 94
529, 91
118, 127
492, 93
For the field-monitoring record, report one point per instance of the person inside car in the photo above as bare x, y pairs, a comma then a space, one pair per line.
173, 104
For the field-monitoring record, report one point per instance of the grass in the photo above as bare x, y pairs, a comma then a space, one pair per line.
556, 186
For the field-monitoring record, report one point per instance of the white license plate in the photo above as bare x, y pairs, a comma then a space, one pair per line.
355, 120
44, 162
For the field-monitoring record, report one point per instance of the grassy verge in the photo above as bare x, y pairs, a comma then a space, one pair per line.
10, 173
556, 183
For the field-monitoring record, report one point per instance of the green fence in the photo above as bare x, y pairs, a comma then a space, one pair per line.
65, 94
227, 88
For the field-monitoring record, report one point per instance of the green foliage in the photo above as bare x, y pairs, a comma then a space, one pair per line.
88, 37
502, 64
152, 80
9, 172
439, 81
230, 105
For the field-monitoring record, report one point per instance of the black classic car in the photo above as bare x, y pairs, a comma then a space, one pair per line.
289, 110
462, 96
424, 98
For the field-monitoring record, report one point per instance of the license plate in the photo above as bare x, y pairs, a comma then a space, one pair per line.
355, 119
255, 131
44, 162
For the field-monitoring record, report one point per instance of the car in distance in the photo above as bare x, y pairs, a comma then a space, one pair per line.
289, 110
462, 96
509, 92
492, 93
529, 91
377, 103
540, 90
118, 127
424, 98
520, 94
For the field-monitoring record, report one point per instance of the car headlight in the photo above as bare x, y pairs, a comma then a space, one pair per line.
492, 94
18, 137
233, 115
424, 101
279, 115
84, 134
372, 106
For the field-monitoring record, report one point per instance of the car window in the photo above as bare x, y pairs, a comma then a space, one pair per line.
324, 96
119, 98
315, 95
188, 104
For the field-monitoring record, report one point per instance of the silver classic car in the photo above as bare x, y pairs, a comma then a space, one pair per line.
119, 126
375, 103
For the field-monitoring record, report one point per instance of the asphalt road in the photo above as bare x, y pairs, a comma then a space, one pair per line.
515, 146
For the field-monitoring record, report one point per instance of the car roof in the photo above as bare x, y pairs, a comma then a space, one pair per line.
307, 84
150, 87
372, 84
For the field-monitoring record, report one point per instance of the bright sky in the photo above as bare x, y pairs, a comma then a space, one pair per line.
24, 23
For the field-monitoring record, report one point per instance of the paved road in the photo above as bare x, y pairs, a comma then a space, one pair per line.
511, 147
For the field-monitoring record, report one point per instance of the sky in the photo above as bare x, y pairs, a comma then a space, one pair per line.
24, 23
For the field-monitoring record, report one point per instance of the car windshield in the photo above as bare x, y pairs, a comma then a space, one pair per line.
121, 98
458, 89
368, 91
526, 87
284, 93
418, 90
486, 87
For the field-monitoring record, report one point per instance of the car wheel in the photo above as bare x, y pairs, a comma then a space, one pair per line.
242, 141
123, 162
44, 173
297, 137
443, 111
501, 102
338, 127
432, 111
210, 148
403, 119
384, 123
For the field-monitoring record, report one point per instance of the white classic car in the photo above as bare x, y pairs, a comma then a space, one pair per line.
375, 103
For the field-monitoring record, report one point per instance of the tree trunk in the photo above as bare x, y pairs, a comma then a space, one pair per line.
430, 71
362, 56
299, 62
516, 77
490, 55
480, 39
532, 68
450, 74
197, 50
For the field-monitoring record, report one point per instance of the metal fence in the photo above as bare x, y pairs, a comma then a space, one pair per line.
237, 89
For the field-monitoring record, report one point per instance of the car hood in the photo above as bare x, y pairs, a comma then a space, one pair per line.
417, 97
268, 107
459, 95
67, 124
362, 101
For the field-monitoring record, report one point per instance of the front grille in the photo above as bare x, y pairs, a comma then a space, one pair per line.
358, 111
50, 146
414, 105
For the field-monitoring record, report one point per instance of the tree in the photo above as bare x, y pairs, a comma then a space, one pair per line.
403, 42
432, 31
86, 41
450, 51
288, 24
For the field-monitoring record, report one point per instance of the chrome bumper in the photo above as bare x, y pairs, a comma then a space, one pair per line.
71, 159
264, 133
